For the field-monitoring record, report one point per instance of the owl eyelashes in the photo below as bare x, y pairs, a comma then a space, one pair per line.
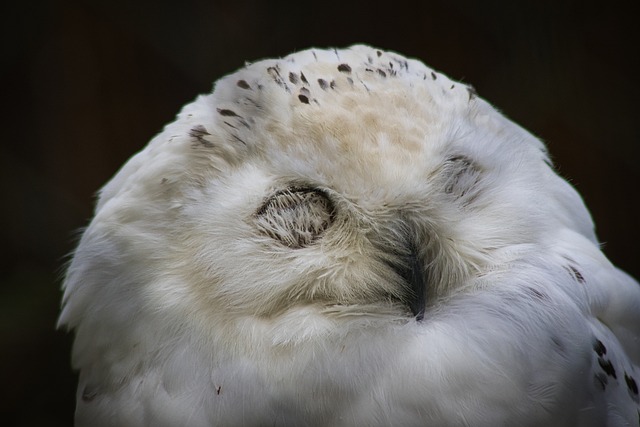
296, 217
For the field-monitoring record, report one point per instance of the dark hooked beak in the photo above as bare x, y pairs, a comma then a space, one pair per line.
410, 267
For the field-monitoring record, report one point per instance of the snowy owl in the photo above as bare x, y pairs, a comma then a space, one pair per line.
347, 238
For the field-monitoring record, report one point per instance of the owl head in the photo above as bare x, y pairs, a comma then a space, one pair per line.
347, 182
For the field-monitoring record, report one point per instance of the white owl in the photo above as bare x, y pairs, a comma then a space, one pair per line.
347, 238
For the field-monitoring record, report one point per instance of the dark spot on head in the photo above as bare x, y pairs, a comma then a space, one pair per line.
631, 384
558, 344
89, 393
433, 75
303, 98
452, 86
382, 73
323, 84
228, 113
293, 78
243, 84
600, 380
472, 92
576, 274
378, 53
599, 348
537, 294
199, 133
370, 70
237, 138
229, 124
218, 389
303, 78
607, 367
344, 68
274, 72
332, 85
249, 101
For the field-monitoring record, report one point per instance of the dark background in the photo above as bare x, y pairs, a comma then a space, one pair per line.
85, 84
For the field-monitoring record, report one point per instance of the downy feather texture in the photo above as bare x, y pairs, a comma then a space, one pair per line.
347, 238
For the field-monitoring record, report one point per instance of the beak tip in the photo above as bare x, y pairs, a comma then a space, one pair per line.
419, 314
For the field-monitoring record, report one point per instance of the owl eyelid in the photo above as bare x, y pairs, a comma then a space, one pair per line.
462, 175
460, 159
296, 216
294, 190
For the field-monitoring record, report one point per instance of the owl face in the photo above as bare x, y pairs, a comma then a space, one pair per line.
352, 180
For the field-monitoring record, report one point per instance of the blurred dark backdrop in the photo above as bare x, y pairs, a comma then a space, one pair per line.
85, 84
